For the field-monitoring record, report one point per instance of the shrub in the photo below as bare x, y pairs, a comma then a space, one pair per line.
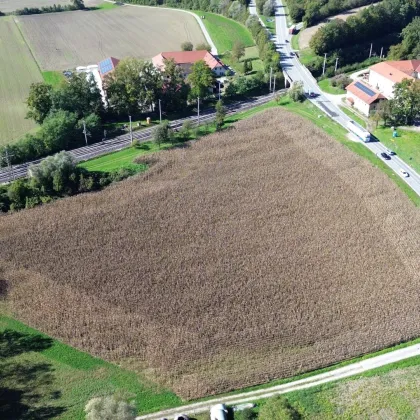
187, 46
109, 408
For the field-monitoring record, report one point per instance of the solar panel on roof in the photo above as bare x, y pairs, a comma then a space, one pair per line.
105, 66
365, 89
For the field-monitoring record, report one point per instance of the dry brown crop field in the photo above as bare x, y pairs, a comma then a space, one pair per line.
257, 253
61, 41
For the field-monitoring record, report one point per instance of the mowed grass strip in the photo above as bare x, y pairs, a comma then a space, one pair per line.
74, 376
326, 86
225, 32
53, 78
18, 70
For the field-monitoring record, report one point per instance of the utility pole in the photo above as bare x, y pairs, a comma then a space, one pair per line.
7, 158
336, 65
160, 113
271, 72
85, 132
325, 62
219, 88
382, 50
105, 133
131, 130
370, 53
274, 87
198, 110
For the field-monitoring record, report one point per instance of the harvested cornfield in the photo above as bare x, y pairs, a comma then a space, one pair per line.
257, 253
62, 41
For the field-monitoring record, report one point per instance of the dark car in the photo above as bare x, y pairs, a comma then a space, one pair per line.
385, 156
312, 94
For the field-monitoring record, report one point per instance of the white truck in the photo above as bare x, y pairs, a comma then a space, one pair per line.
218, 412
359, 131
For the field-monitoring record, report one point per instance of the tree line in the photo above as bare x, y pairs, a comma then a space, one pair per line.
75, 5
312, 12
391, 16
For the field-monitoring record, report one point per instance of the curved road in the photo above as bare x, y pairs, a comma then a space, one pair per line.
298, 72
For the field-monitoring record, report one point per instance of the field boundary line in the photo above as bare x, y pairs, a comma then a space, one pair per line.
330, 376
28, 46
197, 18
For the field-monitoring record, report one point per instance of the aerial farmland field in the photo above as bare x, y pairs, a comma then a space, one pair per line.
257, 253
18, 70
7, 6
61, 41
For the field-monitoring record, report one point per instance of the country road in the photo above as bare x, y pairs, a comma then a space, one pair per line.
120, 142
322, 378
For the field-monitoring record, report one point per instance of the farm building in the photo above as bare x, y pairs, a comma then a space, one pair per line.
365, 95
185, 59
107, 66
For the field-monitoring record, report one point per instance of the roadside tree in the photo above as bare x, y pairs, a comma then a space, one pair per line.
220, 115
406, 102
58, 130
296, 92
201, 79
162, 133
39, 101
187, 46
268, 8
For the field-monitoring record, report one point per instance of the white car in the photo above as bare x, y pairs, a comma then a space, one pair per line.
403, 173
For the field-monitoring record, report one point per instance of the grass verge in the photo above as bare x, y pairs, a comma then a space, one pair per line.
327, 87
354, 116
64, 378
295, 41
270, 23
225, 32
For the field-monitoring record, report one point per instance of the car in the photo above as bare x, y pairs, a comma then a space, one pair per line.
312, 94
181, 417
385, 156
390, 152
292, 54
403, 173
287, 40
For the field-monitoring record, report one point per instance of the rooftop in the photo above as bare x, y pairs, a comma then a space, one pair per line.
187, 57
397, 71
363, 91
107, 65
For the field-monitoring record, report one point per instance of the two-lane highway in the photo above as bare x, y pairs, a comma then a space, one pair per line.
298, 72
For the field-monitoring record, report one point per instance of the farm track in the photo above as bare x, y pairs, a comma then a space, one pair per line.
122, 141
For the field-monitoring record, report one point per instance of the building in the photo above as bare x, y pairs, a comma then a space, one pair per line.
185, 59
99, 71
365, 95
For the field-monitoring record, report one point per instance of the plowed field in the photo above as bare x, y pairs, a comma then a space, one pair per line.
61, 41
257, 253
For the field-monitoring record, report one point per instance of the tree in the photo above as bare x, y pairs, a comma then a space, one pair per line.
406, 102
409, 48
109, 408
238, 50
56, 173
58, 130
201, 79
220, 115
133, 86
39, 101
17, 193
277, 408
187, 46
162, 133
186, 129
247, 66
174, 90
384, 111
203, 46
296, 92
268, 8
79, 95
78, 4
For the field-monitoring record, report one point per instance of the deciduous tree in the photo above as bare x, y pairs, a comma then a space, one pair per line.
174, 90
39, 101
238, 50
201, 79
220, 115
187, 46
203, 46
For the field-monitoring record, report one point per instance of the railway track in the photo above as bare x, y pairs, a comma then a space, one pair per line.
81, 154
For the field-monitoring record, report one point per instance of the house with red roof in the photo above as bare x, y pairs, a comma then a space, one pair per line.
365, 95
185, 60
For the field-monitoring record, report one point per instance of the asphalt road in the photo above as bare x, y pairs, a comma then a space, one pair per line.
120, 142
298, 72
322, 378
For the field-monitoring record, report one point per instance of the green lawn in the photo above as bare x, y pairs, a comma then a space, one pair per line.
306, 56
105, 6
406, 145
295, 41
326, 86
53, 78
354, 116
225, 32
270, 23
252, 54
64, 378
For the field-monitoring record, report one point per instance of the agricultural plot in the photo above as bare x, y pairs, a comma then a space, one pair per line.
61, 41
7, 6
18, 70
261, 252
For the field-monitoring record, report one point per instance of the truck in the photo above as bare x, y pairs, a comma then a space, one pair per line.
292, 30
358, 130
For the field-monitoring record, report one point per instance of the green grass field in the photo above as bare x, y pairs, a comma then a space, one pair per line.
295, 41
64, 378
326, 86
53, 78
270, 23
18, 70
225, 32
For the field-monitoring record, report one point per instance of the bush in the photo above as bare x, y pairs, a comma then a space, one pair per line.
341, 81
277, 408
109, 408
187, 46
247, 414
296, 92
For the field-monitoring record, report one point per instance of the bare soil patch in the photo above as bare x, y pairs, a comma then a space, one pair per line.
61, 41
308, 33
257, 253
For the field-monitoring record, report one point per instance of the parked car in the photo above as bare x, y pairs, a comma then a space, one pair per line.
403, 173
385, 156
390, 152
292, 54
312, 94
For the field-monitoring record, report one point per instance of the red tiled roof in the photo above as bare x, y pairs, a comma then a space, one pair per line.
397, 71
355, 89
187, 57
